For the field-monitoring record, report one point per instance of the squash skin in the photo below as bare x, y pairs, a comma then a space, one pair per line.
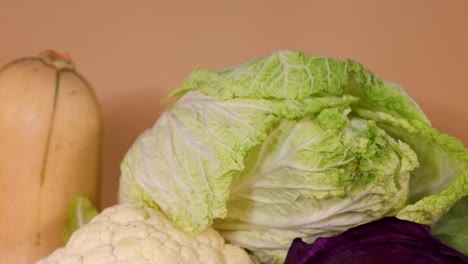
50, 149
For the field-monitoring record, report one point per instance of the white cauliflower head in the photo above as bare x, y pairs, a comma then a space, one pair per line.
128, 234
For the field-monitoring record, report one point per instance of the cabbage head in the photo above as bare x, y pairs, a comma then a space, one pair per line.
292, 145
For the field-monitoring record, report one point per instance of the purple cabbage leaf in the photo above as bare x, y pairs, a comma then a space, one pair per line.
387, 240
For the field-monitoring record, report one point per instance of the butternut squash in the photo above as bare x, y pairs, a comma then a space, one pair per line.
50, 141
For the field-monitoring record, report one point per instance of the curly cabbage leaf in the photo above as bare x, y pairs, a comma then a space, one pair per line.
292, 145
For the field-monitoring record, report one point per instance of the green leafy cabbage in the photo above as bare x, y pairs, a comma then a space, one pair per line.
292, 145
80, 211
452, 228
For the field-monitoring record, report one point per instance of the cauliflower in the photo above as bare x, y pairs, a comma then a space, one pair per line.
128, 234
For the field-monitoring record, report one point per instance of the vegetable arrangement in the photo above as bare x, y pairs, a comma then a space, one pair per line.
284, 147
50, 136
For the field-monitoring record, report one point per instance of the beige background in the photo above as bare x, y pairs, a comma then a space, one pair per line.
135, 52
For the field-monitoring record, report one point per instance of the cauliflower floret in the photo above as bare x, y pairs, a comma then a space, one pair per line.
128, 234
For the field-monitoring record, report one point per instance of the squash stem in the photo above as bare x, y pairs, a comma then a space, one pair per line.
61, 61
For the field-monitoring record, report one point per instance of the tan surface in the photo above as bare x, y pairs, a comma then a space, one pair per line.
135, 52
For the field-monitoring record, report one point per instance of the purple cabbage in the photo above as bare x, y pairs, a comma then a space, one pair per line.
388, 240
